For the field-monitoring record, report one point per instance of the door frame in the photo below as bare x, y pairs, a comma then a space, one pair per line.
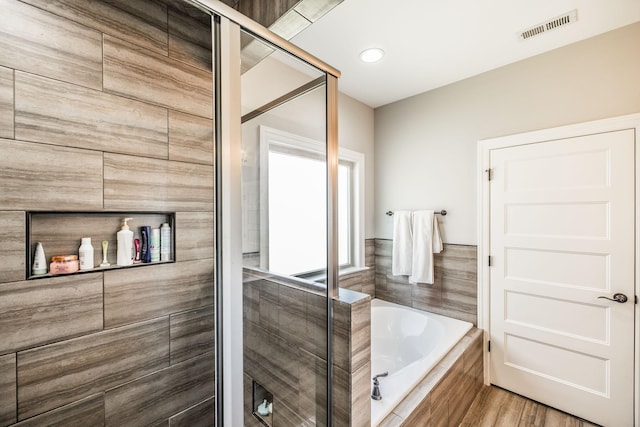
484, 147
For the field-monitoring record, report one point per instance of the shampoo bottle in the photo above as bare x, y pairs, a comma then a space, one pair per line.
85, 254
145, 243
125, 243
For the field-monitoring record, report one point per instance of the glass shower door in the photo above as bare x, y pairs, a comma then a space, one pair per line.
284, 237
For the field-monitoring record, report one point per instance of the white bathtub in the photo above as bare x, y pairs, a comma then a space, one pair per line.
407, 343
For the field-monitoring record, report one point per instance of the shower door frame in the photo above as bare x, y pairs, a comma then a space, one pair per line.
226, 25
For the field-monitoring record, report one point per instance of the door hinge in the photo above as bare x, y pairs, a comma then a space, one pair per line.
489, 174
489, 261
489, 346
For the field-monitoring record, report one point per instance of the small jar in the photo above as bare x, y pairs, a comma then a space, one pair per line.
64, 264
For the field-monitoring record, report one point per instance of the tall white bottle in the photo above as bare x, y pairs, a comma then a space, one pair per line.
85, 254
165, 242
125, 244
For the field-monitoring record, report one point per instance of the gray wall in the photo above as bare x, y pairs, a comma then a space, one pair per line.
425, 146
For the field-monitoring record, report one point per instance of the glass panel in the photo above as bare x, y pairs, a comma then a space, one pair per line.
284, 193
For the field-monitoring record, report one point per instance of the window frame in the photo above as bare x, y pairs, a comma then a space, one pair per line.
286, 141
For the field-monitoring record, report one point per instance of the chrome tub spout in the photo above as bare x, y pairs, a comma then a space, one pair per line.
375, 394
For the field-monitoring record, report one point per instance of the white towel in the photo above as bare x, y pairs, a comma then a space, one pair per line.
401, 256
426, 242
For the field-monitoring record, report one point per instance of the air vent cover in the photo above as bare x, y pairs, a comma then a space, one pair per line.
551, 24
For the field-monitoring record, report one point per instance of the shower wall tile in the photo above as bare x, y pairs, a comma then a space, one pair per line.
40, 311
459, 294
59, 113
136, 294
342, 335
190, 36
12, 236
143, 184
194, 235
361, 396
8, 389
285, 348
134, 72
272, 362
313, 387
292, 314
316, 332
154, 398
453, 292
191, 334
361, 281
360, 345
143, 142
141, 22
201, 415
287, 416
249, 419
45, 177
60, 373
66, 51
394, 289
460, 261
6, 103
190, 138
85, 412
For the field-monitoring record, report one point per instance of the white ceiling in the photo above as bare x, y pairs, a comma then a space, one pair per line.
431, 43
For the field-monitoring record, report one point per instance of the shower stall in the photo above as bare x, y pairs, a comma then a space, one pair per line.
277, 232
179, 112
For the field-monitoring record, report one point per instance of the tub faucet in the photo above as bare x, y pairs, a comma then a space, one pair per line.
375, 394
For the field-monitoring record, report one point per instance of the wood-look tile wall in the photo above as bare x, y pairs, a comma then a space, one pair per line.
106, 106
453, 292
285, 352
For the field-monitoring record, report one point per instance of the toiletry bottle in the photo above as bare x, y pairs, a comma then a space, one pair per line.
165, 242
145, 240
39, 261
154, 247
85, 254
136, 244
125, 242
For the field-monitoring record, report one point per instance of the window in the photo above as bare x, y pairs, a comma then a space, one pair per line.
293, 218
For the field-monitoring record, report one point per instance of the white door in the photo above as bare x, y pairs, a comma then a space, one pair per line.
562, 235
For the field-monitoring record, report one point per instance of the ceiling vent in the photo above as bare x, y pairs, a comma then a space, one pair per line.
552, 24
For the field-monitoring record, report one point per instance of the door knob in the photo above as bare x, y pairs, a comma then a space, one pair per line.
621, 298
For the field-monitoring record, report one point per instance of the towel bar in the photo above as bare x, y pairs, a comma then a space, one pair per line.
442, 212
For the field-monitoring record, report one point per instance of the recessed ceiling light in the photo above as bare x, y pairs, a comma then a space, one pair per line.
373, 54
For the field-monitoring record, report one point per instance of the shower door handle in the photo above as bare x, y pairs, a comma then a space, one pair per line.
621, 298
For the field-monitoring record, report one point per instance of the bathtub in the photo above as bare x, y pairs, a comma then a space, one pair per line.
407, 343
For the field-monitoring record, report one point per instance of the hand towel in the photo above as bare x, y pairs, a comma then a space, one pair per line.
401, 255
426, 242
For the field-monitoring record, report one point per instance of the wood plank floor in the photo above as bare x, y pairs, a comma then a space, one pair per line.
496, 407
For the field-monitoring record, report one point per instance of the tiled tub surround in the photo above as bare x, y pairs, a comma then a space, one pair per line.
453, 293
444, 395
91, 119
285, 351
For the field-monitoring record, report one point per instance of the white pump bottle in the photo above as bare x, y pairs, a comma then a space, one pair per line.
125, 244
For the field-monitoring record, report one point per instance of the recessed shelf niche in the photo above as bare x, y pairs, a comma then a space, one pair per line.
61, 232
